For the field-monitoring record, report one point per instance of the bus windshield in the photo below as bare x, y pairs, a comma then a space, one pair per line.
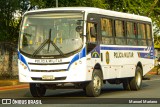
50, 34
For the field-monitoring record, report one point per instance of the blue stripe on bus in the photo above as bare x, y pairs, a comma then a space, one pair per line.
78, 56
83, 53
122, 48
146, 55
21, 58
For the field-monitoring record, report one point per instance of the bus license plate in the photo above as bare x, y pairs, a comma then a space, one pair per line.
48, 77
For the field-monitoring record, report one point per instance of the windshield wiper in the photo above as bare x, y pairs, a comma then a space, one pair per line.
41, 47
49, 42
56, 47
49, 39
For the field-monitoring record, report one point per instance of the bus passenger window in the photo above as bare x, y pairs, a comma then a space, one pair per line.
131, 33
119, 27
119, 32
106, 27
91, 36
106, 31
149, 38
91, 27
148, 31
141, 35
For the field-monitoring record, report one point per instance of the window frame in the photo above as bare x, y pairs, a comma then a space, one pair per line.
141, 39
125, 20
124, 32
129, 38
112, 28
151, 40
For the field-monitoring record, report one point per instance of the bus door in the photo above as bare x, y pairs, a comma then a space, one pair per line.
93, 49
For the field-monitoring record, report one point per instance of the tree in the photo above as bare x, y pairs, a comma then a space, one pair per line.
10, 24
68, 3
7, 19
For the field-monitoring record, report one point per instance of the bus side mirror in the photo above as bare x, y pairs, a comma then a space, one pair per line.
79, 29
93, 31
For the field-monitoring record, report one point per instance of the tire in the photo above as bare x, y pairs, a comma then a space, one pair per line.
126, 84
37, 90
136, 82
93, 88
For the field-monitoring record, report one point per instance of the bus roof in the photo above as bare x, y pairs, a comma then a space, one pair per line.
95, 10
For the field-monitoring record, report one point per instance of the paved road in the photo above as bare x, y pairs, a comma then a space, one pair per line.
150, 89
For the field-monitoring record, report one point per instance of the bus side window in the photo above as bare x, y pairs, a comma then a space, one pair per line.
149, 38
90, 36
141, 35
106, 31
119, 32
131, 33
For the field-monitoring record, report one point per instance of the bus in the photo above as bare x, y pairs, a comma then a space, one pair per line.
83, 48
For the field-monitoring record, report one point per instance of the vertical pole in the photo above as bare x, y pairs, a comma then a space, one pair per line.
56, 3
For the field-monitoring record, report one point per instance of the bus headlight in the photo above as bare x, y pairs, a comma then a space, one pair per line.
23, 65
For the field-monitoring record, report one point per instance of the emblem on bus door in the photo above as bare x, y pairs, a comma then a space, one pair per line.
96, 52
107, 57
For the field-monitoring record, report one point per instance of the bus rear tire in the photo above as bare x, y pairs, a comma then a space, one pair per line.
93, 88
126, 84
37, 90
136, 82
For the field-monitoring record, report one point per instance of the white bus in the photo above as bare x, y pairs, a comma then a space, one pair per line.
83, 47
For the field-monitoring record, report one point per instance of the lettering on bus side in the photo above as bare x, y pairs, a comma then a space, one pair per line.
123, 54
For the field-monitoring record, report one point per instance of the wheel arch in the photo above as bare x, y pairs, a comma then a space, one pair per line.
139, 64
98, 66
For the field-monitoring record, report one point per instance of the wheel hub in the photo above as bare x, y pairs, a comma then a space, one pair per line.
138, 79
97, 83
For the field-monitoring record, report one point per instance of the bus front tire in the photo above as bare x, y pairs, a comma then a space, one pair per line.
136, 82
37, 90
93, 88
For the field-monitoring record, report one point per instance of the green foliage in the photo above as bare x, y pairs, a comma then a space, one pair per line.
68, 3
7, 21
10, 25
157, 41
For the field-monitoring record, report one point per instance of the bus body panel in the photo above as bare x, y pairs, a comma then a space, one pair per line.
121, 61
74, 71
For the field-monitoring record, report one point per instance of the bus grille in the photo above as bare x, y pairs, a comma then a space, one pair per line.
61, 70
40, 79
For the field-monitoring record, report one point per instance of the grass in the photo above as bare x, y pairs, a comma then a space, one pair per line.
8, 82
